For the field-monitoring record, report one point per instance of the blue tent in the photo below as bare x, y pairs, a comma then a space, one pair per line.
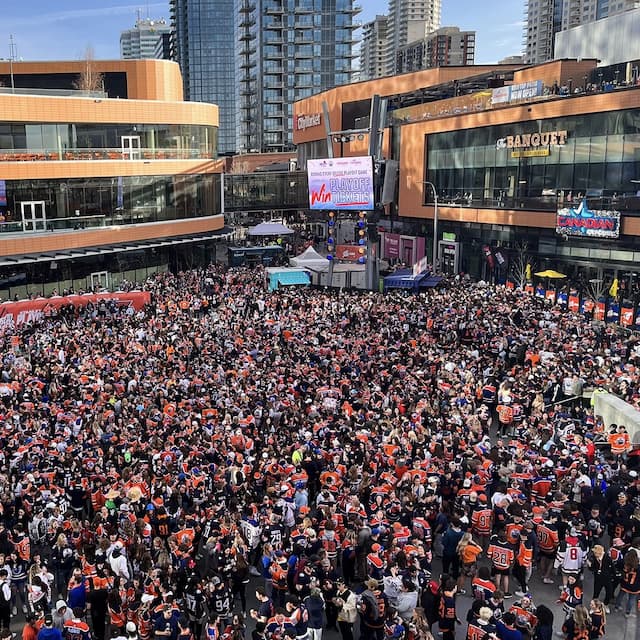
404, 279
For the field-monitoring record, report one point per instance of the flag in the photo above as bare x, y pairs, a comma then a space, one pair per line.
527, 272
613, 289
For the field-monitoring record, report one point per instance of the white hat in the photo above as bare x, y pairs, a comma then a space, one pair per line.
633, 473
124, 507
131, 627
60, 604
146, 597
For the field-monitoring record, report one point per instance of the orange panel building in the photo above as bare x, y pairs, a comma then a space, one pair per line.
104, 183
537, 161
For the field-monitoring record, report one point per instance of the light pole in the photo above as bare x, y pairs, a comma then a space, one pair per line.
435, 224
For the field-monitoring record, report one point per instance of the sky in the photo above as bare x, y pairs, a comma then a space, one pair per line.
46, 30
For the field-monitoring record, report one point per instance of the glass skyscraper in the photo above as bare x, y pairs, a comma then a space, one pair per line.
288, 50
204, 47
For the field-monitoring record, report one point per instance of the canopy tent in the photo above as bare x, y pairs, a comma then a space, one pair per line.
270, 229
404, 279
310, 259
285, 276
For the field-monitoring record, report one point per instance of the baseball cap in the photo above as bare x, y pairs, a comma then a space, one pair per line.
131, 627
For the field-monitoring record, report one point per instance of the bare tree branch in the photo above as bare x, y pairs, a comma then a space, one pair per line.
89, 79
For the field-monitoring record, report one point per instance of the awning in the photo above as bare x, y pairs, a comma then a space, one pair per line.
293, 277
72, 254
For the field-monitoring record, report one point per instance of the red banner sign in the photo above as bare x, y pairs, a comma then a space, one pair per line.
574, 304
348, 252
550, 294
626, 316
599, 311
14, 314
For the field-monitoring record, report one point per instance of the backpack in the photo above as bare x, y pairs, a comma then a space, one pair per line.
371, 603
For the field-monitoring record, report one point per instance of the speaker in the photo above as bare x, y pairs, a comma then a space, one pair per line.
390, 182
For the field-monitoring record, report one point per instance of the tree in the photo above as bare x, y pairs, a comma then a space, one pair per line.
520, 262
89, 79
597, 288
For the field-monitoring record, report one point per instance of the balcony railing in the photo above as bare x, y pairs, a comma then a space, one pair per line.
137, 215
39, 155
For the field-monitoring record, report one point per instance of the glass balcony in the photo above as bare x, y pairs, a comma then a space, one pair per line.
39, 155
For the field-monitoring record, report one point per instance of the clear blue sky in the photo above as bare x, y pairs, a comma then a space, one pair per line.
49, 30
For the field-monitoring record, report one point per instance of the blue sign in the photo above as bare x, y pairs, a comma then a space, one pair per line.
587, 223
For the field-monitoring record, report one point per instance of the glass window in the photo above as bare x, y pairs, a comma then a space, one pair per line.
615, 148
598, 149
583, 148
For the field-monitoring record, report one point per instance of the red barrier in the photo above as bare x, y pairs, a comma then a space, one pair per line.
14, 314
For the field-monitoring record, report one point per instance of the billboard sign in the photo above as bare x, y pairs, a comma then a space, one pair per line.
341, 184
348, 252
515, 92
585, 223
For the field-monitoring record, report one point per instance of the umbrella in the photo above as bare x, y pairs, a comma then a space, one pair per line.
550, 273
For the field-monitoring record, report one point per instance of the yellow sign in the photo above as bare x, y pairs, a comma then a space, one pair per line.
530, 153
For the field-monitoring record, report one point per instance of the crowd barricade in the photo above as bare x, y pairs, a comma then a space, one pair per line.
624, 313
15, 314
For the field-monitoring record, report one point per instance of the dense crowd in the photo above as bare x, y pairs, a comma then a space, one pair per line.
324, 448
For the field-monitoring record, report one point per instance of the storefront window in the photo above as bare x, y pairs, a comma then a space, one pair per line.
597, 157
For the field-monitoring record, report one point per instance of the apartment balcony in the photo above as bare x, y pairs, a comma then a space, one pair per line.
247, 22
248, 64
304, 39
245, 37
248, 7
274, 10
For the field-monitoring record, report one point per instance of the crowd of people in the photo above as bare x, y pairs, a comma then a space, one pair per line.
325, 452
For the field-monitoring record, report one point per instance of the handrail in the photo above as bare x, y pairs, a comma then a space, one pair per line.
80, 153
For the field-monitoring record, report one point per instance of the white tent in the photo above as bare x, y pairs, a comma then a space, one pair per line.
270, 229
310, 259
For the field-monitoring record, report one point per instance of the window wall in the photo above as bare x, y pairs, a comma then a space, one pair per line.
69, 141
600, 160
85, 202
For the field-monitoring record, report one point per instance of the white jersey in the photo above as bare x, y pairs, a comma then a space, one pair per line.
570, 557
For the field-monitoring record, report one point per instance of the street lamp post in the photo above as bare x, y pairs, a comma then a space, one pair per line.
435, 224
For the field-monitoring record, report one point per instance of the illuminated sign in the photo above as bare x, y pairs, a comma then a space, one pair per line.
341, 184
532, 140
308, 121
585, 223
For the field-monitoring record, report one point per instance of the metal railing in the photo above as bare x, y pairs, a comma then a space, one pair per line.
40, 155
139, 215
